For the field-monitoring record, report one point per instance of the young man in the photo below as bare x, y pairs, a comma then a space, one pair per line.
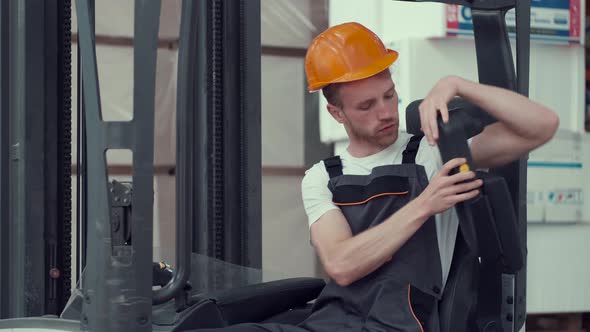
381, 215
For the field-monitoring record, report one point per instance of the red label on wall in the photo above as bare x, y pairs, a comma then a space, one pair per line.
575, 18
452, 16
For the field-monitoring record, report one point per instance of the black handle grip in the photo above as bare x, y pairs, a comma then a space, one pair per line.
462, 116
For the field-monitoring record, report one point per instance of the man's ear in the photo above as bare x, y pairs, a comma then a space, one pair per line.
336, 113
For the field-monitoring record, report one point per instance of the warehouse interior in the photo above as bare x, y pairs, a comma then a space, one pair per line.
188, 127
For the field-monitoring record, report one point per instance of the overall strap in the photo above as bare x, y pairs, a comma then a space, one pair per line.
409, 154
333, 166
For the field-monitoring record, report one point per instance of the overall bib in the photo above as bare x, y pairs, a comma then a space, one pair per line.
403, 294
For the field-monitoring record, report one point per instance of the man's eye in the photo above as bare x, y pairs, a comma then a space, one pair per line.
365, 107
390, 95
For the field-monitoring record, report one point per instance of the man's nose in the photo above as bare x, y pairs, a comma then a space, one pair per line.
384, 111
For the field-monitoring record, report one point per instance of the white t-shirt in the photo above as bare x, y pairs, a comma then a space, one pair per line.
317, 198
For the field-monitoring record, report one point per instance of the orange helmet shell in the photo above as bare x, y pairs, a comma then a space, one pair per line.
344, 53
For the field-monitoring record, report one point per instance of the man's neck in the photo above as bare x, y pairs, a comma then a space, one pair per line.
365, 149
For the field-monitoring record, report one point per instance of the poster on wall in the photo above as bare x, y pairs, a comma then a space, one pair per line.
560, 21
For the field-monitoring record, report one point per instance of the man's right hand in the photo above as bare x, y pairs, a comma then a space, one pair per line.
444, 190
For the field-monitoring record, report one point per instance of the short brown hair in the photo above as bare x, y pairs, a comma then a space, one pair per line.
332, 94
332, 91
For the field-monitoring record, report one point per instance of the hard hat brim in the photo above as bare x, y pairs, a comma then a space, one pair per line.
373, 69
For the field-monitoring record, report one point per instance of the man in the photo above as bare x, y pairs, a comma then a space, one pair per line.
381, 215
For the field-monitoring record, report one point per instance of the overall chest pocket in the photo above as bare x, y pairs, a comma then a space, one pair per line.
367, 203
355, 194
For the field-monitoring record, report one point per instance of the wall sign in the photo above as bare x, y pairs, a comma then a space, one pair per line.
551, 20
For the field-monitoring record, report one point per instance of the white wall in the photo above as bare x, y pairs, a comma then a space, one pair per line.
286, 243
392, 20
282, 111
288, 23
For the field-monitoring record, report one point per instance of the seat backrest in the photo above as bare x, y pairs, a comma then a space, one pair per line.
459, 302
487, 249
504, 223
474, 297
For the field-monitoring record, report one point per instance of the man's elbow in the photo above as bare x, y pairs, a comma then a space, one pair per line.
339, 273
551, 124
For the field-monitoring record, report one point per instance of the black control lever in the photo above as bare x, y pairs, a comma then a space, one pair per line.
465, 121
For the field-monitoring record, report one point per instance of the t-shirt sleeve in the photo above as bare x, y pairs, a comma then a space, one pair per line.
317, 198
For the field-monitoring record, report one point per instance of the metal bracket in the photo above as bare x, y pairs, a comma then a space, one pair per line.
121, 195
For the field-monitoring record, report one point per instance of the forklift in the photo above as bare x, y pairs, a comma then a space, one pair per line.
213, 282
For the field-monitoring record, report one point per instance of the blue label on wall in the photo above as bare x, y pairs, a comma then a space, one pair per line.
555, 20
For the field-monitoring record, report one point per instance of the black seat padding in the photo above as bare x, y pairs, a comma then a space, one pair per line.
281, 301
256, 303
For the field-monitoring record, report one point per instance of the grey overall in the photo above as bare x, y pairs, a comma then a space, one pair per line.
403, 294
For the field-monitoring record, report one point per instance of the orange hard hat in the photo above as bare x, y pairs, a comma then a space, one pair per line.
344, 53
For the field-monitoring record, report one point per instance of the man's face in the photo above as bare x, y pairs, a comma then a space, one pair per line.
370, 110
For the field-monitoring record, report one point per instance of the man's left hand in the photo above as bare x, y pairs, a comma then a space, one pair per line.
436, 102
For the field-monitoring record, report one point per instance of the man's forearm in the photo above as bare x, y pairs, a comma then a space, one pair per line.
356, 257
